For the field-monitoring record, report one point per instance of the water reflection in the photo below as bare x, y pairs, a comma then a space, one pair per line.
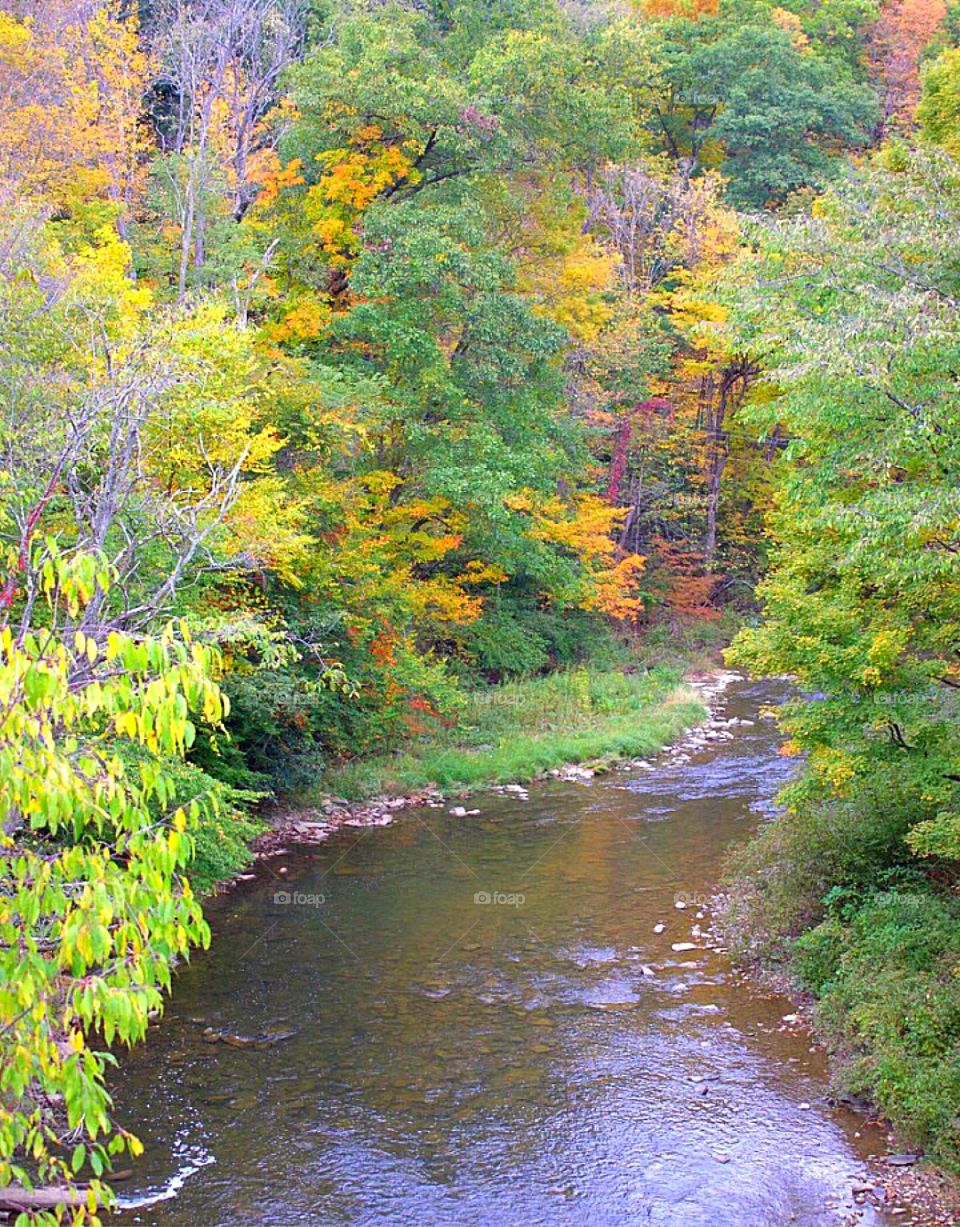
488, 1029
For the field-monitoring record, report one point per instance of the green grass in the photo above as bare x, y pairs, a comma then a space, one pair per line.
514, 732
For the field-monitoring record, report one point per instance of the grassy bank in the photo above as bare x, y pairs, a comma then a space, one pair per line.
830, 896
513, 732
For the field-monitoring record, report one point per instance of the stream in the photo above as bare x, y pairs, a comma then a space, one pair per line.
488, 1029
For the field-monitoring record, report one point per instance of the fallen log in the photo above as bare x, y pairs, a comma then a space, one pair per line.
15, 1199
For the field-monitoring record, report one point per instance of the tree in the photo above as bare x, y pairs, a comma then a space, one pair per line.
221, 63
854, 313
903, 31
130, 433
939, 108
71, 80
743, 96
94, 907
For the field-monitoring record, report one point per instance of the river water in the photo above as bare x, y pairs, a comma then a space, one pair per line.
488, 1030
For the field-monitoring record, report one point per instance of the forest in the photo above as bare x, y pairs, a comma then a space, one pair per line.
362, 358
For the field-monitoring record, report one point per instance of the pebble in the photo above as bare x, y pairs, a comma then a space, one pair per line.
659, 928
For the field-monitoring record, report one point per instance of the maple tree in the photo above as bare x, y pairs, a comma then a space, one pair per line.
902, 32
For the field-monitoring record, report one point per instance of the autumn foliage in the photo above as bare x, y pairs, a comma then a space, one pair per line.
354, 354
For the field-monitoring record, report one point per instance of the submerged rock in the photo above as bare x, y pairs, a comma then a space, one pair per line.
265, 1039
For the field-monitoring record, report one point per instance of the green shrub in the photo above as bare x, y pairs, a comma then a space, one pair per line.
222, 847
888, 982
518, 636
778, 883
221, 843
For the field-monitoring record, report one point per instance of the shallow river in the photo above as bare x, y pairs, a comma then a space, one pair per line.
458, 1061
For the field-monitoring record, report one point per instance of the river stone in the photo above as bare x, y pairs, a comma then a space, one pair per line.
265, 1040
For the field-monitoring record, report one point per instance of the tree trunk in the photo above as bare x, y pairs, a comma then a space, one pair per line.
14, 1199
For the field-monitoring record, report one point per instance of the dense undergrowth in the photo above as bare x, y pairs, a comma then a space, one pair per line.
875, 938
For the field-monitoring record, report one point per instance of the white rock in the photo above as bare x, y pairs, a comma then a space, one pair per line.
659, 928
679, 946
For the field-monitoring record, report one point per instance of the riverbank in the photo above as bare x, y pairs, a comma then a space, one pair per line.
833, 915
903, 1183
431, 999
575, 725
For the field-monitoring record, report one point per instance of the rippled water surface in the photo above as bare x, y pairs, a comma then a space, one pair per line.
541, 1058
